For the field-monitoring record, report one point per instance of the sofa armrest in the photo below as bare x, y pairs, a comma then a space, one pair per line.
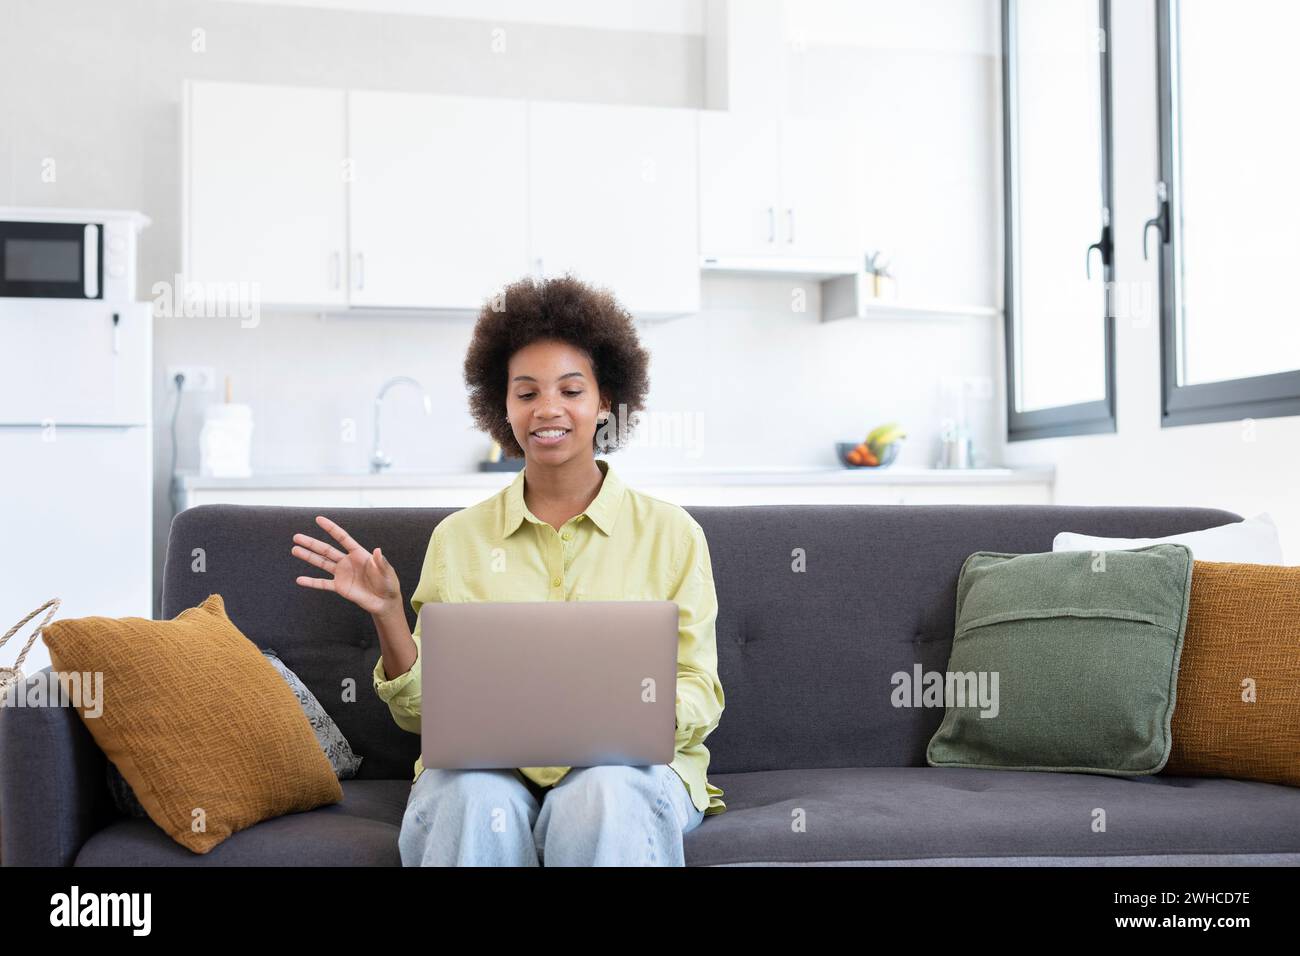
53, 793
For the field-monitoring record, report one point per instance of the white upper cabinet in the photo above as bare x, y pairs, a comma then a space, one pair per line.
264, 197
334, 199
438, 198
613, 197
821, 170
779, 187
740, 184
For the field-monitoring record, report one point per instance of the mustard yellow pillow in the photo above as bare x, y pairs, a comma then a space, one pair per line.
210, 738
1238, 711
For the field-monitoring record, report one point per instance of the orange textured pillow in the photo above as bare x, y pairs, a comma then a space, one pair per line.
1238, 710
206, 732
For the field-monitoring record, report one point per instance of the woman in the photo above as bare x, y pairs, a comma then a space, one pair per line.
548, 362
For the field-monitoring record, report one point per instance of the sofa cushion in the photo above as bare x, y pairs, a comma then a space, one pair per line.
332, 742
1238, 712
201, 726
1074, 657
361, 830
870, 814
852, 815
1254, 540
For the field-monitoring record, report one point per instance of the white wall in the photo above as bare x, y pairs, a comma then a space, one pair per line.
1243, 467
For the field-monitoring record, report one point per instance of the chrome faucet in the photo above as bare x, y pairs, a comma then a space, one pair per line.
379, 461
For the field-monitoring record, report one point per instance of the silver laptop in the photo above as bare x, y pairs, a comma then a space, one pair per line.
548, 683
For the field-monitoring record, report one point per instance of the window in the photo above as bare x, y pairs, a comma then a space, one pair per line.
1056, 129
1228, 209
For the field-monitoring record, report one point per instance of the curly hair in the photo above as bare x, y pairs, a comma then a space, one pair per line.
568, 310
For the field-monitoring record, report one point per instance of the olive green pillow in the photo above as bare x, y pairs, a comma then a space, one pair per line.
1078, 651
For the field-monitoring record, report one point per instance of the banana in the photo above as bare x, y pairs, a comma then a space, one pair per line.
880, 430
884, 435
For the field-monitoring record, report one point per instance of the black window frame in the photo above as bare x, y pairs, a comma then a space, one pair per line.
1259, 396
1081, 418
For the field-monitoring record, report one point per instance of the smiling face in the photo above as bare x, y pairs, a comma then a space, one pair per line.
552, 389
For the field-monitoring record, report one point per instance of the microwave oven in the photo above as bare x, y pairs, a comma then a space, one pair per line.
68, 254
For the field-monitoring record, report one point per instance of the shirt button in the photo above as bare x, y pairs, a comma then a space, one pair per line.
556, 582
567, 535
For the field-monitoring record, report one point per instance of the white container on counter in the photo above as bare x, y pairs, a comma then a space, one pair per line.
226, 441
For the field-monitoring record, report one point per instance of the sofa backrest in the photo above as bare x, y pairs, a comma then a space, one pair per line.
805, 656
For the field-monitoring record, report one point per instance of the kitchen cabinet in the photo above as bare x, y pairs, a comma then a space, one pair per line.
438, 198
613, 196
740, 184
264, 198
779, 188
821, 167
336, 199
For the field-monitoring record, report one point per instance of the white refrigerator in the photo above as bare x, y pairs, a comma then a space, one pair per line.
76, 463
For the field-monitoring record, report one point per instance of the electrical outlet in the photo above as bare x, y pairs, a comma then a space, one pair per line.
198, 378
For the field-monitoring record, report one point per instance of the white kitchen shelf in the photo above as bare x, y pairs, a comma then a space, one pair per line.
806, 267
847, 297
885, 309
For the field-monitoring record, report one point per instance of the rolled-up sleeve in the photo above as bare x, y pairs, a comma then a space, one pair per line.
402, 693
700, 699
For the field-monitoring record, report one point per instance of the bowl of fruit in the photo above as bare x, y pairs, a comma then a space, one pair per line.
877, 450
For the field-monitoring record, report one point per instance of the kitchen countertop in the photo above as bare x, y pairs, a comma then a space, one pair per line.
740, 475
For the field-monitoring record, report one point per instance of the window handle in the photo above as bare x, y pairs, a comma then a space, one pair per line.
1102, 245
1160, 222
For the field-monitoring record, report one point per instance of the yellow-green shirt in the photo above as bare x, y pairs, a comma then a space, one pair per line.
626, 546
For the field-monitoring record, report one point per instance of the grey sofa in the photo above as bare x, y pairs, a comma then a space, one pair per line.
808, 733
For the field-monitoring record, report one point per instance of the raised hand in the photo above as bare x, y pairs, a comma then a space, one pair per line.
363, 577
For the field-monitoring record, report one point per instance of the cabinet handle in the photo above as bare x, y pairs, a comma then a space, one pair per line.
361, 271
771, 224
789, 214
335, 269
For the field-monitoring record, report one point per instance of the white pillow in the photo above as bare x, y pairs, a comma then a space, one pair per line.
1253, 541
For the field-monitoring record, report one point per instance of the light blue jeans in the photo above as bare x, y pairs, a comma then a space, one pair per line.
594, 816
